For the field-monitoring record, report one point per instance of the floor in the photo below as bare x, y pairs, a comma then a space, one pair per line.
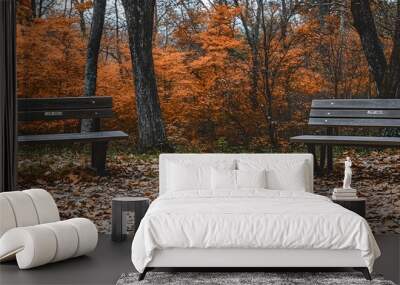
110, 260
104, 266
389, 262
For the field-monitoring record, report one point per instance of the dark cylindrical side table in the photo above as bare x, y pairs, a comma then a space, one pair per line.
120, 206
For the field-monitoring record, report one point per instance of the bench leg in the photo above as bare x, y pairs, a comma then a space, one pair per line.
99, 156
329, 151
322, 157
311, 149
330, 159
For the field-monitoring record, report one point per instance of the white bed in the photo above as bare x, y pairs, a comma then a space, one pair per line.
248, 227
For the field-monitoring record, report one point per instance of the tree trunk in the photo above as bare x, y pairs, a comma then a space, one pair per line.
33, 8
255, 69
252, 31
323, 11
284, 19
267, 89
92, 56
117, 49
340, 63
372, 46
82, 22
139, 16
387, 77
39, 14
392, 79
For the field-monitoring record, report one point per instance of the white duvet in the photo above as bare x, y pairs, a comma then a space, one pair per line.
250, 219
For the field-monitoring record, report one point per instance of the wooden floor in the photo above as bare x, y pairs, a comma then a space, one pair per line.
110, 260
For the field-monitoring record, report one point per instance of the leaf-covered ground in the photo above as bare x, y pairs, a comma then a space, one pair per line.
80, 193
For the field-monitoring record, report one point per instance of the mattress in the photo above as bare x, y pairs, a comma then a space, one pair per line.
250, 219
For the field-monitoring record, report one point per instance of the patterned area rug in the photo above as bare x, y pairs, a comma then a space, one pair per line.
243, 278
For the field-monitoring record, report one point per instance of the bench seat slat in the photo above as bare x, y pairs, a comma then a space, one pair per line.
73, 137
62, 114
338, 122
63, 103
347, 140
331, 113
386, 104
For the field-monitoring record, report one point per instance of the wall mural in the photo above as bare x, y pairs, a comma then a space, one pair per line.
197, 76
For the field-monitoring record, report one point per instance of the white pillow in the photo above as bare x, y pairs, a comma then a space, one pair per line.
223, 179
182, 177
251, 178
281, 175
185, 174
227, 179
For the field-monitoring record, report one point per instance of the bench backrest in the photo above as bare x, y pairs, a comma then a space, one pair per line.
44, 109
355, 113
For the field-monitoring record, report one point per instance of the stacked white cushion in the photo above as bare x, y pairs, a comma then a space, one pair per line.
66, 236
32, 246
23, 208
45, 205
7, 218
87, 233
31, 232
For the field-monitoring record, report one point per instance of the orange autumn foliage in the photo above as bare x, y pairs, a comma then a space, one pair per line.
202, 76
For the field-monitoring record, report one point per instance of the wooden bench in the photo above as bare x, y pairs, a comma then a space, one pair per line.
335, 113
45, 109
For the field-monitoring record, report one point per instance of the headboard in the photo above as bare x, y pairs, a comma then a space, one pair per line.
202, 158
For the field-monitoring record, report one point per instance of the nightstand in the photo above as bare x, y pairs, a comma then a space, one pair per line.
355, 205
120, 206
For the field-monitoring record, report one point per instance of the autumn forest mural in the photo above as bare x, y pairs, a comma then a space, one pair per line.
203, 76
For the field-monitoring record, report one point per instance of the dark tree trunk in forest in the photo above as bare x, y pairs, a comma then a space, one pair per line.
122, 71
323, 11
139, 16
92, 56
33, 8
372, 46
391, 82
386, 76
252, 32
267, 89
255, 69
82, 22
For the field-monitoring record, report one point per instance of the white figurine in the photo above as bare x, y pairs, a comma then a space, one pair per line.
347, 174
